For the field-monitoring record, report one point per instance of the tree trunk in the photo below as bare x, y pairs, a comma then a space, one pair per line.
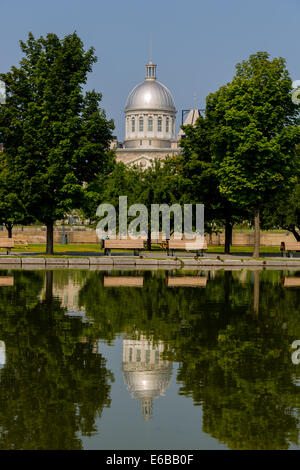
256, 234
149, 240
9, 227
256, 292
228, 235
49, 286
295, 233
227, 281
49, 248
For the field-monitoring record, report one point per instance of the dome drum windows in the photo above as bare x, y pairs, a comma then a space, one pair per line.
150, 124
141, 124
133, 124
159, 124
167, 125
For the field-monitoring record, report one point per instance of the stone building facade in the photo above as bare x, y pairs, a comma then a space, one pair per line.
150, 117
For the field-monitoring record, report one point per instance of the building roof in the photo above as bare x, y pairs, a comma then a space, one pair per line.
190, 119
150, 94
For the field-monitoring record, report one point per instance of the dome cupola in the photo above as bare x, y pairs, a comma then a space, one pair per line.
150, 114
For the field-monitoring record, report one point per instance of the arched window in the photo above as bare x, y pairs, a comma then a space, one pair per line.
141, 124
159, 124
133, 124
150, 124
167, 125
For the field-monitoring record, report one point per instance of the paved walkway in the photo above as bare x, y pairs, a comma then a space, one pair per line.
147, 261
157, 254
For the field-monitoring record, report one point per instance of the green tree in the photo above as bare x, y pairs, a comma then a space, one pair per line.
55, 138
284, 212
153, 185
255, 134
198, 181
12, 208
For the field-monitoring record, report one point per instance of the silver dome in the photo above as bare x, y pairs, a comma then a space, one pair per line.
150, 95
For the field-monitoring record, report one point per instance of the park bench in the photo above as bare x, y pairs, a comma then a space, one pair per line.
292, 282
6, 281
173, 245
289, 247
127, 244
123, 281
187, 281
20, 241
7, 243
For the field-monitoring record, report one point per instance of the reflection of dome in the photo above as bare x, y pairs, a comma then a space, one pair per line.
150, 95
145, 373
148, 384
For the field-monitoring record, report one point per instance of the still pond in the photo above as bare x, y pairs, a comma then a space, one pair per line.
149, 359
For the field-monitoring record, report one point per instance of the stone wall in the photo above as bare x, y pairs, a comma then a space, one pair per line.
38, 235
247, 239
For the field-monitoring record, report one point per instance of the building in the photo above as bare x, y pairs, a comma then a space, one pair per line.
146, 373
150, 116
191, 119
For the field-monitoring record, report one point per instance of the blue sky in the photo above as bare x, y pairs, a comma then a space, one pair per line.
196, 43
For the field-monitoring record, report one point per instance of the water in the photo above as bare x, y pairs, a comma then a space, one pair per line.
149, 360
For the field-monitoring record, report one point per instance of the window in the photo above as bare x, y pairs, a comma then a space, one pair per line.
159, 124
141, 124
150, 143
157, 357
148, 355
138, 355
141, 142
167, 125
130, 354
150, 124
133, 125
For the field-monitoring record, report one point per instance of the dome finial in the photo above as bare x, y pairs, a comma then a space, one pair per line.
150, 71
150, 68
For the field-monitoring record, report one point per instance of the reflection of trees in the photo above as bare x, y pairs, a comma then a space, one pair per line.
229, 339
52, 386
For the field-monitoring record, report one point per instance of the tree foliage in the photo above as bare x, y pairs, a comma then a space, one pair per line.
255, 135
55, 137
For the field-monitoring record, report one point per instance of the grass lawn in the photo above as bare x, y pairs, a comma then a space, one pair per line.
90, 247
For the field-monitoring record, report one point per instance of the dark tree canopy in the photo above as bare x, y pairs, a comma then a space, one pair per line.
255, 134
55, 137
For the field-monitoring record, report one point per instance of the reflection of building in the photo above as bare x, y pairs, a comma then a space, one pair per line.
68, 293
145, 373
2, 354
